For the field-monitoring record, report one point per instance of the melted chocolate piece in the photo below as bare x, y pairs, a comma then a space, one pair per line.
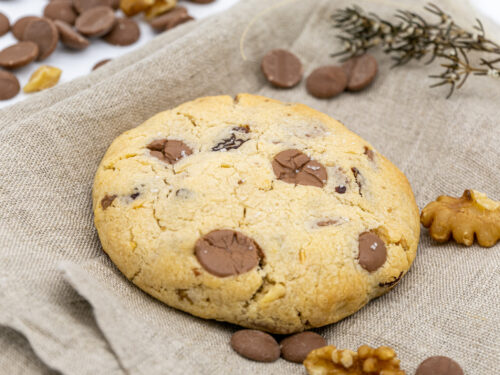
169, 151
295, 167
234, 141
107, 200
227, 252
372, 251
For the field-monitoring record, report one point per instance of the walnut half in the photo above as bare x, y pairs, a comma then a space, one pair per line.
471, 214
328, 360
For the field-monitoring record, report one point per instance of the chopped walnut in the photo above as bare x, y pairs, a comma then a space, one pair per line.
329, 360
471, 214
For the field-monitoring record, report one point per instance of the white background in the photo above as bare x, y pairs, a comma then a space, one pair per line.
78, 63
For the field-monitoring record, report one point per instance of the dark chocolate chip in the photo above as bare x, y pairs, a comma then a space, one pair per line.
341, 189
171, 152
357, 178
390, 284
83, 5
360, 71
227, 252
100, 63
4, 24
295, 167
18, 55
372, 251
107, 200
369, 153
296, 347
439, 365
326, 82
134, 196
70, 37
282, 68
60, 10
255, 345
43, 32
97, 21
9, 85
169, 20
233, 141
124, 33
20, 25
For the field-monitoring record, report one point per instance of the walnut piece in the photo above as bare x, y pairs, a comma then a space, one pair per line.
43, 78
328, 360
471, 214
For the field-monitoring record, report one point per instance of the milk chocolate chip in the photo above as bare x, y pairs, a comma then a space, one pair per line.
20, 25
439, 365
169, 151
43, 32
100, 63
107, 200
227, 252
96, 21
171, 19
124, 33
4, 24
360, 71
295, 167
326, 82
296, 347
18, 55
9, 85
282, 68
70, 37
372, 251
60, 10
83, 5
255, 345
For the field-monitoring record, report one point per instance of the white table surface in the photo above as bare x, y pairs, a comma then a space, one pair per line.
78, 63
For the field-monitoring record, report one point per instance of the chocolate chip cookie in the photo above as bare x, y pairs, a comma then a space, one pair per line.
268, 215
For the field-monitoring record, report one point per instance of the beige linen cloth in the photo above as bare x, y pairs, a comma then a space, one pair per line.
64, 306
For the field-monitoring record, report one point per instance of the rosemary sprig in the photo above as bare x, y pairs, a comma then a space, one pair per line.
413, 37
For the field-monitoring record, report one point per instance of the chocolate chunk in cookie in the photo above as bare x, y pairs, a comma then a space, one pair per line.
107, 200
295, 167
372, 251
358, 177
227, 252
296, 347
255, 345
341, 189
169, 151
369, 153
282, 68
238, 136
